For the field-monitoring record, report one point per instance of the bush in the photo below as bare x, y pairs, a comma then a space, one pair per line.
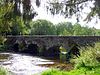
89, 57
2, 46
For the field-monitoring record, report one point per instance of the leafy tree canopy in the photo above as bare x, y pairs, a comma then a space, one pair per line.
13, 13
22, 8
64, 28
74, 7
63, 7
42, 27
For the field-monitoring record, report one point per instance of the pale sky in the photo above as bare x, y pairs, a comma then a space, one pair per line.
42, 14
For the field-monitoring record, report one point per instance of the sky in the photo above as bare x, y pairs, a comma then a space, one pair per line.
42, 14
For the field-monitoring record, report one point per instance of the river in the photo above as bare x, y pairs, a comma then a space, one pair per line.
22, 64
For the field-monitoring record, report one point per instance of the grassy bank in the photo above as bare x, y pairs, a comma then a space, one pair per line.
81, 71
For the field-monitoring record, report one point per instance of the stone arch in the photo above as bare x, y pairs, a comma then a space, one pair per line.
41, 45
15, 47
33, 46
53, 51
73, 48
32, 49
22, 45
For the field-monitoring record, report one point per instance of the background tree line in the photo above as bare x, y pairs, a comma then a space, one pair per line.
44, 27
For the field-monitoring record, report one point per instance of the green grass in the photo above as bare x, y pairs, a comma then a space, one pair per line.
81, 71
3, 71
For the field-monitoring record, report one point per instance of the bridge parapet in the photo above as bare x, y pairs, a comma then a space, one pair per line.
49, 41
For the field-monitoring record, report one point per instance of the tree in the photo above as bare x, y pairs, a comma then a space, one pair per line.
64, 7
64, 28
77, 29
18, 27
23, 10
96, 31
86, 31
72, 7
42, 27
11, 11
80, 30
26, 12
5, 19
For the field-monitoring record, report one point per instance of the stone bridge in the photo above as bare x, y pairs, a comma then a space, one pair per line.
43, 42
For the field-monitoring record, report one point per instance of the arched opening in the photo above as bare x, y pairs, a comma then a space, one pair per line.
16, 47
33, 49
42, 51
22, 46
53, 52
75, 50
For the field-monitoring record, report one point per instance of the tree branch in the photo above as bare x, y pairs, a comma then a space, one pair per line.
70, 4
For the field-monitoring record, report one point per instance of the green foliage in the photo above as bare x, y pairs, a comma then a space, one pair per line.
42, 27
64, 28
5, 20
97, 32
63, 57
22, 8
3, 71
77, 29
81, 71
89, 57
3, 48
11, 18
18, 27
88, 63
53, 72
69, 8
87, 31
2, 41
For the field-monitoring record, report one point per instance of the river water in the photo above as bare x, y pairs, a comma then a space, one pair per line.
21, 64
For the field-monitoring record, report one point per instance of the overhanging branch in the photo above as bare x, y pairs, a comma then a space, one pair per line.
68, 3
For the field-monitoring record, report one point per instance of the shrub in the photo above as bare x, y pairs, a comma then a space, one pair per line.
2, 39
89, 57
2, 46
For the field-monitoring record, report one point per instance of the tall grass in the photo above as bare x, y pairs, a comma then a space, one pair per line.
89, 57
